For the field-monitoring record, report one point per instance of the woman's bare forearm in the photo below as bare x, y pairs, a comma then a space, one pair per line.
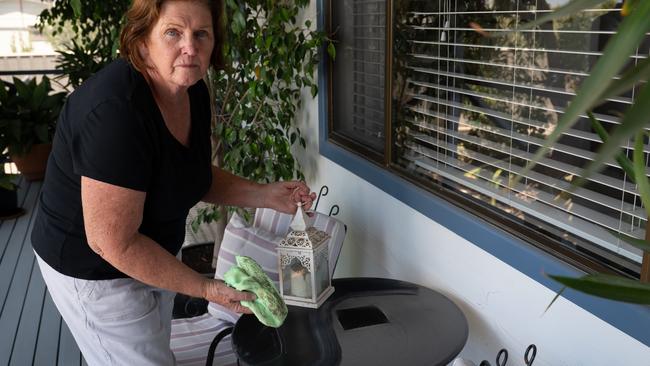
231, 190
146, 261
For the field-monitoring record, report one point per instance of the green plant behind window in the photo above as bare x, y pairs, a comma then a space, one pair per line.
601, 85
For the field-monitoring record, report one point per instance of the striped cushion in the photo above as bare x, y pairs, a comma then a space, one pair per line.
191, 338
278, 223
272, 221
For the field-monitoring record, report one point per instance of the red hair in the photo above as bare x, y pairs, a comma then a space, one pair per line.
143, 14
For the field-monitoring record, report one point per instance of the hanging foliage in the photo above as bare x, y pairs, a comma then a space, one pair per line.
270, 60
95, 26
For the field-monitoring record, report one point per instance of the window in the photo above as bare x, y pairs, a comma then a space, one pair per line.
359, 115
416, 89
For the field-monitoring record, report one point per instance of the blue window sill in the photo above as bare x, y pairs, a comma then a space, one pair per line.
633, 320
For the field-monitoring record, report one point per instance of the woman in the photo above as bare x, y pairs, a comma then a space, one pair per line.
130, 157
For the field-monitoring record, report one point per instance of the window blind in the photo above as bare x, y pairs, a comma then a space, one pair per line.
359, 72
473, 110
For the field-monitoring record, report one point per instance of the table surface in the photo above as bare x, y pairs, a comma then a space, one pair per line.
367, 321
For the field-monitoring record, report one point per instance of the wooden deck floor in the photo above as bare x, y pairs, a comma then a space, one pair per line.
31, 329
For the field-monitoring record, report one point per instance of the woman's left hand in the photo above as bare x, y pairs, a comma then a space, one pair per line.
284, 196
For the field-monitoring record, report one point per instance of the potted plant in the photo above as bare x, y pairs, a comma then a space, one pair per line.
28, 115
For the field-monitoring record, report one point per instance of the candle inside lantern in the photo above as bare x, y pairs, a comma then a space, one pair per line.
300, 279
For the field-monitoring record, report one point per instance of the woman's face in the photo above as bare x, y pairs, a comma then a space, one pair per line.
178, 48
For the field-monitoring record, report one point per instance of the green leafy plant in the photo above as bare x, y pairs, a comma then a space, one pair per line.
270, 59
602, 84
80, 60
28, 114
95, 26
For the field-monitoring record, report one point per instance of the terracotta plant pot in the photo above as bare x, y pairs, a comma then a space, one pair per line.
32, 165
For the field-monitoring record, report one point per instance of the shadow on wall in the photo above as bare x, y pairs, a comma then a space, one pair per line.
483, 342
360, 259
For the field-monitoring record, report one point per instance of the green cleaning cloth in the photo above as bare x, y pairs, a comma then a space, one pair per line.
247, 275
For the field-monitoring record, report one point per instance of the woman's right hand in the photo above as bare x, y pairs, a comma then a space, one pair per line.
217, 291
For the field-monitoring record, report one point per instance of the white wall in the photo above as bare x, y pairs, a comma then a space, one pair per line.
504, 307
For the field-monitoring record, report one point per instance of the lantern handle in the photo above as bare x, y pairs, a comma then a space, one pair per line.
324, 190
334, 210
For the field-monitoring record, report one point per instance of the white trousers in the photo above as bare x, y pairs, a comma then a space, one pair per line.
115, 322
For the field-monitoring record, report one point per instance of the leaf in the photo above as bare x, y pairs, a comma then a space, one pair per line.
14, 129
232, 4
238, 22
621, 158
628, 80
635, 119
230, 135
76, 7
314, 91
331, 50
54, 102
40, 92
242, 135
284, 14
557, 296
630, 33
42, 133
22, 89
639, 170
610, 287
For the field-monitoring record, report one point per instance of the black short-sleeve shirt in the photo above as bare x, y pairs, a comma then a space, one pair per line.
111, 130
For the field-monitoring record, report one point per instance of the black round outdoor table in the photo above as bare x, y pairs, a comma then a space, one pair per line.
367, 321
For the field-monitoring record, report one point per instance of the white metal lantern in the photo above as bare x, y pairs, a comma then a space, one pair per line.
305, 279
